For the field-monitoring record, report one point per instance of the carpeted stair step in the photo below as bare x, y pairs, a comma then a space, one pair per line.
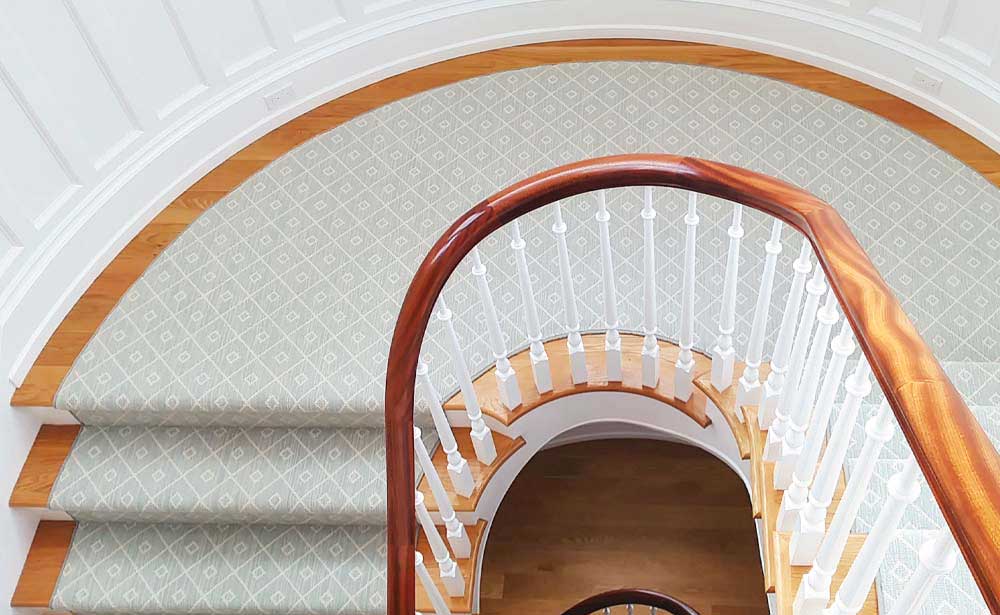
209, 568
318, 476
954, 593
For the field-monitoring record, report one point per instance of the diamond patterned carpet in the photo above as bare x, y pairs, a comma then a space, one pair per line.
237, 388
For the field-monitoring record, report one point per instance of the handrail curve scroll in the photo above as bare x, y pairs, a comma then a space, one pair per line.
634, 597
957, 459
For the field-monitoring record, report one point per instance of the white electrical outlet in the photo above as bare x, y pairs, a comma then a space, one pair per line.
926, 81
279, 98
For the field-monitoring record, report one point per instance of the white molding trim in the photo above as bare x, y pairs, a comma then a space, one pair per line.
46, 278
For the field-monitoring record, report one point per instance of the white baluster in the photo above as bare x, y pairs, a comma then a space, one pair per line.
457, 537
724, 354
458, 468
437, 600
796, 364
650, 346
808, 533
574, 342
903, 490
749, 388
814, 590
938, 557
451, 576
510, 391
794, 499
684, 368
482, 437
612, 340
802, 404
539, 358
774, 386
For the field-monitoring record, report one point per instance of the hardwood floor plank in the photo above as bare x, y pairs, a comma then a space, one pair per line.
44, 563
41, 469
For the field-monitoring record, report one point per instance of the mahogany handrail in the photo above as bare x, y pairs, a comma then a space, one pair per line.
619, 597
954, 453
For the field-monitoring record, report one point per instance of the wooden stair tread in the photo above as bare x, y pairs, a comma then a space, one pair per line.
461, 604
481, 473
725, 401
44, 563
791, 576
562, 383
41, 469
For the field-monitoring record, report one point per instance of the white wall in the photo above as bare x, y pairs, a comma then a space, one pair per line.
110, 108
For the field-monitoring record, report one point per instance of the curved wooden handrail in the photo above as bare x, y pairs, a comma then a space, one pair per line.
954, 453
619, 597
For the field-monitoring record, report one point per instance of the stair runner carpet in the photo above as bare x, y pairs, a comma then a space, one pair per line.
232, 397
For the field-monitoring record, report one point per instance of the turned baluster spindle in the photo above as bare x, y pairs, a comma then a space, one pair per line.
774, 386
451, 575
796, 365
808, 533
937, 557
802, 404
684, 368
903, 490
724, 354
574, 342
482, 436
458, 468
437, 600
455, 531
794, 499
612, 339
507, 385
814, 589
650, 346
748, 390
539, 358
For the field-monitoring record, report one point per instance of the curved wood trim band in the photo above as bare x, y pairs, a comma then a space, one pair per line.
958, 460
618, 597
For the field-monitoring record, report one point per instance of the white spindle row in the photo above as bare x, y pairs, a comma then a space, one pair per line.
795, 404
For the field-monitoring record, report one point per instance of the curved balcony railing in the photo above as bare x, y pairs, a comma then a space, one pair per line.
630, 599
794, 402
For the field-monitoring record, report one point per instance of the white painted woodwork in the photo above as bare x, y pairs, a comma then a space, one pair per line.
482, 436
507, 385
539, 358
612, 339
684, 367
797, 494
430, 588
814, 591
574, 342
458, 468
723, 353
774, 386
796, 365
808, 533
456, 534
903, 490
801, 410
650, 346
748, 390
448, 571
936, 558
93, 148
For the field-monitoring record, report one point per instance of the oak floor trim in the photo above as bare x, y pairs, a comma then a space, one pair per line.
56, 358
44, 564
42, 467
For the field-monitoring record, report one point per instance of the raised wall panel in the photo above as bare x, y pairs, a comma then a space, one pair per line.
906, 13
232, 33
62, 59
971, 28
34, 181
138, 41
311, 17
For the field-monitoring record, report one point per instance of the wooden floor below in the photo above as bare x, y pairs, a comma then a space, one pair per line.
593, 516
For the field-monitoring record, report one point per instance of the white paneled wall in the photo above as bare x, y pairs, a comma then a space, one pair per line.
110, 108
